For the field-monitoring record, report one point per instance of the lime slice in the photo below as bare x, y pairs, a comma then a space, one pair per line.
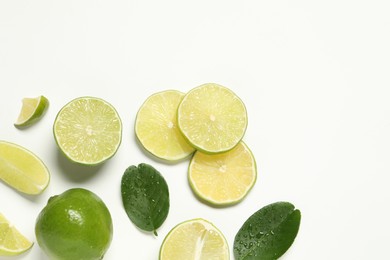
12, 242
32, 110
22, 170
156, 126
88, 130
212, 118
195, 239
223, 179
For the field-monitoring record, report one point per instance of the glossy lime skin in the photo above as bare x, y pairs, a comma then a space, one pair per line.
74, 225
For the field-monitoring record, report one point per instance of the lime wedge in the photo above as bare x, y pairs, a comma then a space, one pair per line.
223, 179
12, 242
88, 130
195, 239
22, 170
212, 118
32, 110
156, 126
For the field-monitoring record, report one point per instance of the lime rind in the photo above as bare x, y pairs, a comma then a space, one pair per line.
156, 127
227, 136
33, 109
205, 198
68, 152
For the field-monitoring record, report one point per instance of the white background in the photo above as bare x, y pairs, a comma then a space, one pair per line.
314, 76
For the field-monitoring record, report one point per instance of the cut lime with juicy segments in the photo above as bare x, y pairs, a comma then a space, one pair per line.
32, 110
212, 118
156, 126
223, 179
195, 239
12, 242
88, 130
22, 170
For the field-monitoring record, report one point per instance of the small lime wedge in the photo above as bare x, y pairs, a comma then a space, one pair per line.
12, 242
22, 169
195, 239
212, 118
88, 130
32, 110
156, 126
223, 179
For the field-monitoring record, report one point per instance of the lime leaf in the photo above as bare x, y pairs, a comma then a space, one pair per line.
145, 196
268, 233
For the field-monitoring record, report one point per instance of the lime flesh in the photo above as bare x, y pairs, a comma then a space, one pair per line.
212, 118
12, 242
225, 178
32, 110
195, 239
156, 127
88, 130
22, 170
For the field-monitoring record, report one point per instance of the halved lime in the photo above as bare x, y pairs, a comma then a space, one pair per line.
32, 110
225, 178
88, 130
195, 239
22, 169
156, 126
213, 118
12, 242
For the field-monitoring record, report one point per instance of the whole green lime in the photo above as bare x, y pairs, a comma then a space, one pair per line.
74, 225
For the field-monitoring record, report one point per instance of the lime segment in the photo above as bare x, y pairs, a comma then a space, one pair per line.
88, 130
32, 110
156, 126
12, 242
195, 239
22, 169
212, 118
223, 179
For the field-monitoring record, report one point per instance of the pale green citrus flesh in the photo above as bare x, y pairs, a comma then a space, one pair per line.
195, 239
156, 126
12, 242
212, 118
88, 130
225, 178
22, 169
32, 110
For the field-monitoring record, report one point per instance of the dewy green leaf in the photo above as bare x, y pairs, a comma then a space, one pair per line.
268, 233
145, 196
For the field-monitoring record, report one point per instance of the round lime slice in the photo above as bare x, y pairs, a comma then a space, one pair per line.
212, 118
88, 130
156, 127
225, 178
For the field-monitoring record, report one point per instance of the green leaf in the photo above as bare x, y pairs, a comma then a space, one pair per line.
268, 233
145, 197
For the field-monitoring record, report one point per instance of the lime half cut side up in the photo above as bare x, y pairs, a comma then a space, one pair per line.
12, 242
22, 170
212, 118
223, 179
195, 239
32, 110
88, 130
156, 127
